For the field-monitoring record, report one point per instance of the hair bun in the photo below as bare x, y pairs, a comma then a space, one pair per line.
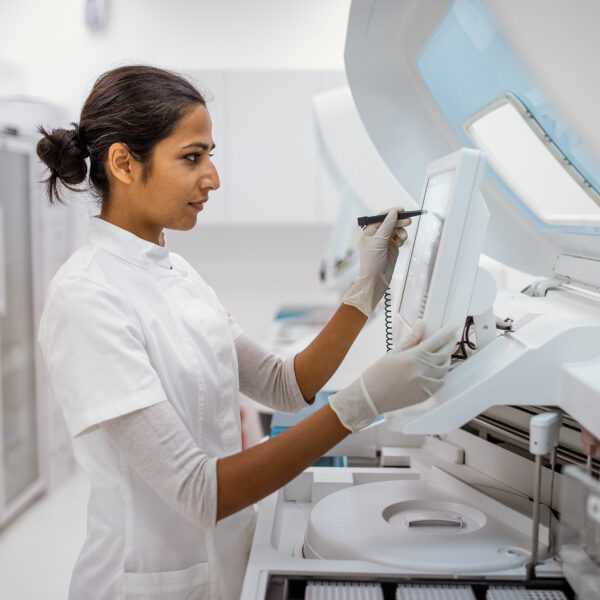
64, 152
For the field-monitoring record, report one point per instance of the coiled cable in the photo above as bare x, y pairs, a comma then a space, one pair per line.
389, 337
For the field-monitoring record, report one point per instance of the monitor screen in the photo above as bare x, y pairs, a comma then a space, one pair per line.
425, 246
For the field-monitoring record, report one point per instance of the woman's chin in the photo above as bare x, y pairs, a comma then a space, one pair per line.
184, 224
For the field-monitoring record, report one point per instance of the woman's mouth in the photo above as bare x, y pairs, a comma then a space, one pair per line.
198, 205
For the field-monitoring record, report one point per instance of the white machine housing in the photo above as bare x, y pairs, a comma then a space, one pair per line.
470, 441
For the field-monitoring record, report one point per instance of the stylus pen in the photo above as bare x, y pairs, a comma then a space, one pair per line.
364, 221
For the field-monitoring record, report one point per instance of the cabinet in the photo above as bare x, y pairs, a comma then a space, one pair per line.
20, 472
35, 239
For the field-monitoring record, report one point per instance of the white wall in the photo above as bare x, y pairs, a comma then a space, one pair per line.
52, 54
254, 270
260, 60
267, 154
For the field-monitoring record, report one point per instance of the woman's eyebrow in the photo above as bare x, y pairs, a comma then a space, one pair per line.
200, 145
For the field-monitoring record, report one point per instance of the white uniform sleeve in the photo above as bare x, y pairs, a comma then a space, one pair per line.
266, 378
234, 328
94, 349
156, 444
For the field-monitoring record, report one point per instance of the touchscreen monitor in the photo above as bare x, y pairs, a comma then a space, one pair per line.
425, 247
440, 275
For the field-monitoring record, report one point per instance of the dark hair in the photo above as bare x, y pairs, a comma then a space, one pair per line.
136, 105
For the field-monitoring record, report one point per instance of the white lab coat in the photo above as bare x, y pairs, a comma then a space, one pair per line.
126, 325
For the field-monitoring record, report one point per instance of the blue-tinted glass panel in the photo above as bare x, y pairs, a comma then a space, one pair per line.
466, 64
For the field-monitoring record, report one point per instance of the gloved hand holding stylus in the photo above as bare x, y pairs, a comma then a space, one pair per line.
398, 379
378, 253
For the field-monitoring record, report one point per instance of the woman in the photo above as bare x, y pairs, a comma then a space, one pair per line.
147, 364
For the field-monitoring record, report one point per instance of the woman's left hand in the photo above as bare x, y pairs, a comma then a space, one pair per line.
379, 246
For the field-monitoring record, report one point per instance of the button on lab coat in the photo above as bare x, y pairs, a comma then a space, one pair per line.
128, 324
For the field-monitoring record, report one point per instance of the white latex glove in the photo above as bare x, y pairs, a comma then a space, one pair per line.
398, 379
379, 245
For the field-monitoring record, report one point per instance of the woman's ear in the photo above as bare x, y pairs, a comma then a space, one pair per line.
121, 163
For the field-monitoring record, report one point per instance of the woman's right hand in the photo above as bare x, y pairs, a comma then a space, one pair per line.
398, 379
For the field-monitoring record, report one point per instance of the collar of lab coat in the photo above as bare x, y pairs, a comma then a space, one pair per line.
126, 245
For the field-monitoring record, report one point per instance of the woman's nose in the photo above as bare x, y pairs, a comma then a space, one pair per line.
211, 179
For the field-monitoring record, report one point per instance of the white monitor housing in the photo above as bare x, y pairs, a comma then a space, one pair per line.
441, 273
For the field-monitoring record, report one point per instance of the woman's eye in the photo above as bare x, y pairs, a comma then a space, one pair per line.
195, 156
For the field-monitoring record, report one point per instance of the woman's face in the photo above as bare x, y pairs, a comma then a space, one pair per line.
181, 176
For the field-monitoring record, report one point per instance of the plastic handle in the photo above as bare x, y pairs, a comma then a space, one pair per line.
436, 523
543, 432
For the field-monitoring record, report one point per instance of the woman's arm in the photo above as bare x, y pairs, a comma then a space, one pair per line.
248, 476
267, 378
288, 385
155, 442
316, 364
396, 380
379, 246
158, 446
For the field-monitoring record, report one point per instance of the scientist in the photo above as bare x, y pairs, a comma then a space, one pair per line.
146, 363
